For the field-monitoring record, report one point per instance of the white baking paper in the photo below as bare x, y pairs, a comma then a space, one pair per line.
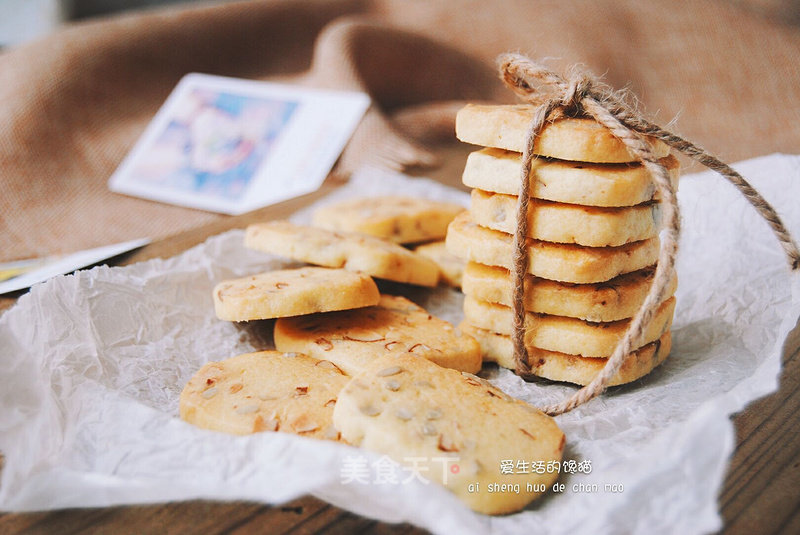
91, 366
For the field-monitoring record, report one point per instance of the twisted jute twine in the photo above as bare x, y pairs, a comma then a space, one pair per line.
582, 95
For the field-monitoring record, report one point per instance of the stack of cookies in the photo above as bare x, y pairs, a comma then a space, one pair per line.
592, 244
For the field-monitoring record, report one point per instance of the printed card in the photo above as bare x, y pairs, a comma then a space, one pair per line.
229, 145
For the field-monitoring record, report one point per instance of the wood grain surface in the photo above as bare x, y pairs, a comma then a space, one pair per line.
761, 493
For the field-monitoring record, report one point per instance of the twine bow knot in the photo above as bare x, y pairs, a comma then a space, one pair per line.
582, 95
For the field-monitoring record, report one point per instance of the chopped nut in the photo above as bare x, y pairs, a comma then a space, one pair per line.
370, 410
368, 337
328, 364
445, 444
235, 388
434, 414
422, 347
403, 414
330, 402
258, 424
273, 424
210, 393
303, 426
391, 370
247, 409
301, 390
324, 343
392, 385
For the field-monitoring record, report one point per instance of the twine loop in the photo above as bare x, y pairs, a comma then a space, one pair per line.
580, 94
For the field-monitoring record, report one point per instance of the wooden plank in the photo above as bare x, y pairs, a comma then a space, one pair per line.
761, 493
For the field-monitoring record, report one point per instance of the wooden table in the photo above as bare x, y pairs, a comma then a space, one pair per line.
761, 493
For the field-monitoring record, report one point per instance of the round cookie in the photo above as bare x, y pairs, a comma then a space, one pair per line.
454, 428
612, 300
264, 391
570, 368
568, 182
352, 339
591, 226
451, 267
394, 218
337, 249
566, 138
293, 292
565, 335
553, 261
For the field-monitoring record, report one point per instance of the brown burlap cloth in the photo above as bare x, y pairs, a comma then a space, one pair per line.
73, 104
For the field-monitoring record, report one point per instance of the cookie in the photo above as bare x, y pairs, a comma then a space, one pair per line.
568, 223
394, 218
293, 292
451, 267
452, 428
348, 250
265, 391
570, 368
567, 138
560, 262
616, 299
565, 335
568, 182
352, 339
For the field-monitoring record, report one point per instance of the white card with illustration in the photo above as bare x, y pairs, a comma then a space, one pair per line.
230, 145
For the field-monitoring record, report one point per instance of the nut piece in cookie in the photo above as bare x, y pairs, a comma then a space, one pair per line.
395, 218
453, 427
265, 391
352, 339
293, 292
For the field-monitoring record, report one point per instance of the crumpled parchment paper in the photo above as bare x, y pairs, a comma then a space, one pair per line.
92, 364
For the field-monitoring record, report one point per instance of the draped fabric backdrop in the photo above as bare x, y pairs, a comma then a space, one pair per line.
73, 104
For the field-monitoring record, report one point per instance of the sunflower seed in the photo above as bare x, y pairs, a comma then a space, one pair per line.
391, 370
434, 414
370, 410
403, 414
247, 409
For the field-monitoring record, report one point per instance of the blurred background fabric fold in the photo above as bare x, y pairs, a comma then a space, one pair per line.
73, 103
